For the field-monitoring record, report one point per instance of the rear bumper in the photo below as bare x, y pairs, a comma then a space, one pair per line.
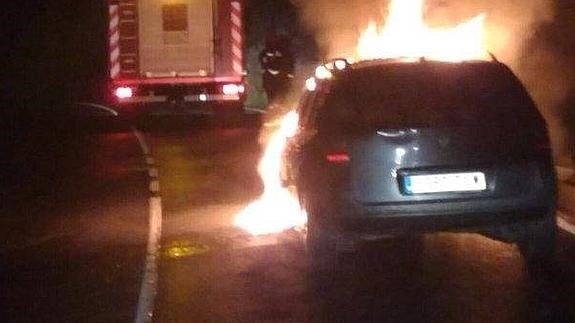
449, 222
191, 98
444, 216
199, 90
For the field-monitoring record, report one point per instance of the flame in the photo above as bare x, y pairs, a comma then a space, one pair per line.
405, 35
277, 209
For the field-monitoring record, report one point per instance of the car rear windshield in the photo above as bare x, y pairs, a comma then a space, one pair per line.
428, 94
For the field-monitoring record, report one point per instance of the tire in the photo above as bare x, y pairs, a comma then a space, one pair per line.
321, 245
538, 242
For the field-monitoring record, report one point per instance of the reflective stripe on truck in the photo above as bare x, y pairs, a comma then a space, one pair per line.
237, 39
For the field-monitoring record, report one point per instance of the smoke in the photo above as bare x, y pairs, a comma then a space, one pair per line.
515, 34
337, 24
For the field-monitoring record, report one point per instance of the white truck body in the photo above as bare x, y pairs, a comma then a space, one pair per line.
176, 51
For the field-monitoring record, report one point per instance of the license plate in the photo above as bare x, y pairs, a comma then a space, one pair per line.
441, 183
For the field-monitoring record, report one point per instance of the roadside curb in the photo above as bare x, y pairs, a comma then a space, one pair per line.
149, 285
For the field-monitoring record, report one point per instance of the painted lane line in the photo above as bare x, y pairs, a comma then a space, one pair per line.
565, 225
155, 186
148, 290
153, 172
143, 144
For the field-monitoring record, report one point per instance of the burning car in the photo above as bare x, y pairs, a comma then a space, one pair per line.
395, 146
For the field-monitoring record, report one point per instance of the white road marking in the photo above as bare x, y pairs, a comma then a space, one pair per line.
145, 310
155, 186
148, 289
565, 225
153, 172
142, 142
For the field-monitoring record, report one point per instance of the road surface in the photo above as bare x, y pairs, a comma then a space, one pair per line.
81, 250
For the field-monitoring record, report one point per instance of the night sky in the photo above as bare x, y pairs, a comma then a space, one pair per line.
56, 49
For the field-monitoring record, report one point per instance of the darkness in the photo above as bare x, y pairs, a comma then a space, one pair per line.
56, 51
281, 17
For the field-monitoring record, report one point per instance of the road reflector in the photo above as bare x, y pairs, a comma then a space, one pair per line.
185, 248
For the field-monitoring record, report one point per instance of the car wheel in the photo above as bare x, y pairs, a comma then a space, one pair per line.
321, 245
537, 244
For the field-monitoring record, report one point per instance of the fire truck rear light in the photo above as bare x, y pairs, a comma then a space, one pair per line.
233, 89
337, 157
124, 92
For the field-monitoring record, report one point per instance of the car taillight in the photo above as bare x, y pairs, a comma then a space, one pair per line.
124, 92
337, 157
233, 89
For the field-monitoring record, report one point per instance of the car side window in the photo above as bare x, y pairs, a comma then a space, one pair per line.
337, 109
303, 108
316, 104
307, 108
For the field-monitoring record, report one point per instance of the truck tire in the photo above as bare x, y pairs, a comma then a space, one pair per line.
537, 244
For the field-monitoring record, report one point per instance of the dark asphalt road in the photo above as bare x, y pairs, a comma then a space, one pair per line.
74, 224
235, 278
75, 253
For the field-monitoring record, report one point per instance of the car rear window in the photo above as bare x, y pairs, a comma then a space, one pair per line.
428, 94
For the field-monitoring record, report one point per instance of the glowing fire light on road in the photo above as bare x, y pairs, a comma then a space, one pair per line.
277, 209
405, 35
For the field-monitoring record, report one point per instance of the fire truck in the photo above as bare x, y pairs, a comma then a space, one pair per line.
184, 53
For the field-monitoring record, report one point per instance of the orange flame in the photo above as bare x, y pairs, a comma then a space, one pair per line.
405, 35
277, 209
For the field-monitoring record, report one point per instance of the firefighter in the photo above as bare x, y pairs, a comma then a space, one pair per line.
277, 63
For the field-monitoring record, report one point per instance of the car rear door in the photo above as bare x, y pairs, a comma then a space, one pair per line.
415, 139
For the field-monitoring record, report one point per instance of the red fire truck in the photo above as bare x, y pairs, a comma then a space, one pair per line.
186, 53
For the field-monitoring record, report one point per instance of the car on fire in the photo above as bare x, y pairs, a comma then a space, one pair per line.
406, 147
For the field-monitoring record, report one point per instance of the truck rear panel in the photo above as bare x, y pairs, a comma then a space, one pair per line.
179, 51
176, 38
